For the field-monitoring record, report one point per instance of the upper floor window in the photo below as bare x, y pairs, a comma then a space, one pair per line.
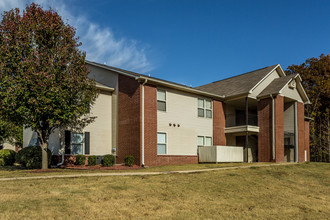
161, 100
204, 108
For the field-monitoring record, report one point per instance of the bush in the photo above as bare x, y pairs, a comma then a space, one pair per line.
80, 159
31, 157
92, 160
7, 157
108, 160
129, 161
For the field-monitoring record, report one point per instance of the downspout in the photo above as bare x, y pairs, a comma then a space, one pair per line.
142, 124
295, 132
273, 127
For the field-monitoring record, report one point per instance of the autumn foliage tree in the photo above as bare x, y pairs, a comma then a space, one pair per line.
315, 74
44, 81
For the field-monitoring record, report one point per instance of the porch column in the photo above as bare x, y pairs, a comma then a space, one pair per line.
247, 132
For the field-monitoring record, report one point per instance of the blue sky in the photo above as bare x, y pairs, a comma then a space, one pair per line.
195, 42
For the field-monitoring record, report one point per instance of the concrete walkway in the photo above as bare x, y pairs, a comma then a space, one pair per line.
139, 173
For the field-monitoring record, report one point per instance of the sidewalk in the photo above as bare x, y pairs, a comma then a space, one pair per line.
140, 173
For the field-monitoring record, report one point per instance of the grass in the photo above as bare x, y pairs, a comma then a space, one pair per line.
299, 191
19, 172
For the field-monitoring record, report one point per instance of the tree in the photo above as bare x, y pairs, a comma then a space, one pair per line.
315, 75
11, 133
44, 81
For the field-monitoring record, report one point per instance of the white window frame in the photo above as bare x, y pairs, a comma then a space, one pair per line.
162, 100
166, 143
204, 140
205, 109
83, 142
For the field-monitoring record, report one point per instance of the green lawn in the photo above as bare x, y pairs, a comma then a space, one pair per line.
299, 191
19, 172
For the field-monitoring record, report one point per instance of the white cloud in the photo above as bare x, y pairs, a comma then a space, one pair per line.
100, 43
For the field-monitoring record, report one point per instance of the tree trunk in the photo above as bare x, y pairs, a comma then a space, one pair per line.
44, 163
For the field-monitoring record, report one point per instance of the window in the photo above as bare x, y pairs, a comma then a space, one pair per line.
161, 100
204, 141
161, 143
204, 108
77, 143
200, 141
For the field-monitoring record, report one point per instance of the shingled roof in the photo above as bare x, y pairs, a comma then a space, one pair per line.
276, 85
237, 85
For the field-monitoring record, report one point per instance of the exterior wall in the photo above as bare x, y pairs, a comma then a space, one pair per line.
301, 132
129, 119
103, 76
150, 134
101, 129
219, 123
307, 140
279, 129
181, 109
264, 83
265, 130
291, 93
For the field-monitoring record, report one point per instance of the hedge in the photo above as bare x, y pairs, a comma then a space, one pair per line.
31, 157
7, 157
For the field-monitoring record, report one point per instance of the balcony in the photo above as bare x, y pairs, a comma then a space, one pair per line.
236, 123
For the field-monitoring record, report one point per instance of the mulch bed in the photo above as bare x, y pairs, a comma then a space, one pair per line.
100, 167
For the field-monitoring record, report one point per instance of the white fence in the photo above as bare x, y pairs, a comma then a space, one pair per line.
214, 154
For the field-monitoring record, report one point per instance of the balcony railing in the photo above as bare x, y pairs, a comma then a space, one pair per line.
233, 120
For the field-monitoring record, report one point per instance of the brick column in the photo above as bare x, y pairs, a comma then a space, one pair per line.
301, 131
279, 128
265, 130
129, 119
150, 125
219, 123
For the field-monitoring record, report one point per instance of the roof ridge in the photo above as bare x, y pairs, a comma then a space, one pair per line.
238, 75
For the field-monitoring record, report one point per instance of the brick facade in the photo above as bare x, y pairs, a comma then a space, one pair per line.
279, 128
219, 123
307, 140
265, 130
301, 131
129, 119
150, 134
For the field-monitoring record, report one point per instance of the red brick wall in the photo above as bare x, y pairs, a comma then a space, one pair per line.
150, 134
279, 128
219, 123
265, 130
307, 140
129, 119
301, 131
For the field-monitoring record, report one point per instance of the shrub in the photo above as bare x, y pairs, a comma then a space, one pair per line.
108, 160
129, 161
31, 157
80, 159
92, 160
7, 157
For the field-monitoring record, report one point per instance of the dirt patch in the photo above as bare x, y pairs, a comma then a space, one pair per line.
100, 167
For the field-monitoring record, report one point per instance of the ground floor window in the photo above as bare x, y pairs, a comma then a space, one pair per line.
77, 143
204, 141
161, 143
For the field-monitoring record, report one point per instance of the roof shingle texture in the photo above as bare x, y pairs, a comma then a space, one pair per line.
276, 85
237, 85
